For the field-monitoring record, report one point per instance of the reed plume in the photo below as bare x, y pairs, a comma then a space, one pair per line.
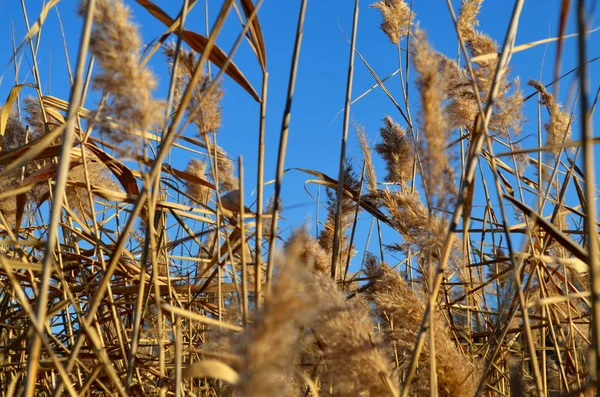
270, 346
357, 362
205, 100
507, 116
198, 192
116, 43
457, 374
366, 150
311, 253
397, 18
326, 236
397, 150
432, 88
558, 127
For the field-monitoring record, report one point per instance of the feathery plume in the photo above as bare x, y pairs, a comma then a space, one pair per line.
356, 363
116, 43
457, 375
559, 126
310, 251
397, 18
15, 134
462, 104
462, 108
271, 344
225, 168
508, 110
208, 117
424, 233
397, 151
411, 218
477, 42
35, 121
199, 192
366, 149
431, 85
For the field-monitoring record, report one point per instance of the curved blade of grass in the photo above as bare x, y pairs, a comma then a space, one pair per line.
256, 33
198, 43
118, 169
8, 105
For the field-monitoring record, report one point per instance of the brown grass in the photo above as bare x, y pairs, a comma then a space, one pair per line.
166, 281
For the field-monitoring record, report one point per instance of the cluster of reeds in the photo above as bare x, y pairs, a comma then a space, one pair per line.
146, 279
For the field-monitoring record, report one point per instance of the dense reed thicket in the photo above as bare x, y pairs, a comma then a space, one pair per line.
123, 275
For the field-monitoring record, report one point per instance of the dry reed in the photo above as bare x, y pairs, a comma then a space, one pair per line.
177, 306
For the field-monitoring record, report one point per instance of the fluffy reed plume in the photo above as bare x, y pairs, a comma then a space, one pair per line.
422, 232
98, 176
116, 44
366, 149
356, 362
431, 86
477, 42
559, 126
35, 121
15, 134
310, 251
198, 192
268, 219
397, 18
225, 167
462, 108
411, 218
401, 312
273, 341
398, 152
208, 116
508, 110
326, 236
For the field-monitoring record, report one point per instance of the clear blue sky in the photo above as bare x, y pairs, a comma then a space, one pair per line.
314, 136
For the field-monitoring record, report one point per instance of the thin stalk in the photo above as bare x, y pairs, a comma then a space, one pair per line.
590, 188
59, 194
354, 222
260, 177
243, 244
283, 138
340, 191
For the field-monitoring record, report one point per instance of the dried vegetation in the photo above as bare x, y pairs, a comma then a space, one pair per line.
159, 287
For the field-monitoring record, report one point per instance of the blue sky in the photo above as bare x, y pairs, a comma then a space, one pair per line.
315, 132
